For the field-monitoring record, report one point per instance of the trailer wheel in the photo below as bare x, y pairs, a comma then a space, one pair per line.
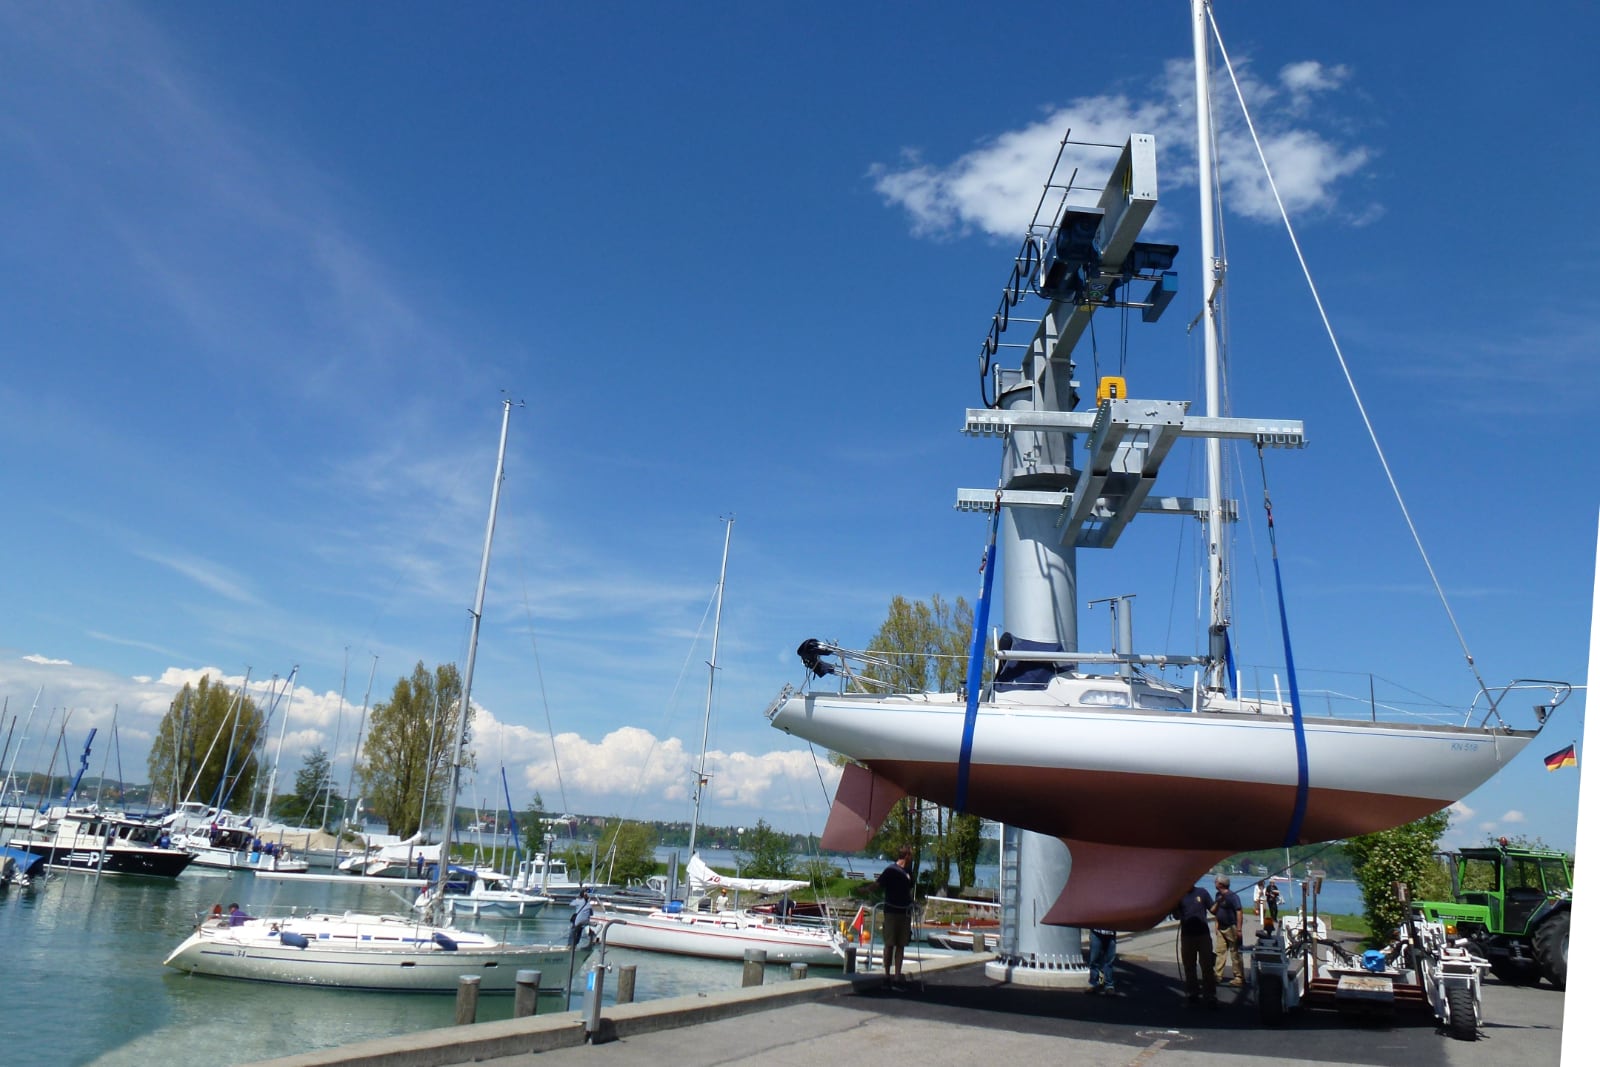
1463, 1020
1269, 999
1550, 947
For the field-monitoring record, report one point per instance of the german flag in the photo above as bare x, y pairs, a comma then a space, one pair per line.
1567, 757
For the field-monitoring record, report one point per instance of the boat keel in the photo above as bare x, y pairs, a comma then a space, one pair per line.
860, 805
1115, 887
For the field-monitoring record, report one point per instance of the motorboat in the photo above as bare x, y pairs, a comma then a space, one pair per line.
956, 923
238, 848
549, 876
18, 867
401, 859
1110, 751
389, 953
223, 840
482, 893
105, 842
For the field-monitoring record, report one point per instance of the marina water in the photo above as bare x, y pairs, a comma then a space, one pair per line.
86, 985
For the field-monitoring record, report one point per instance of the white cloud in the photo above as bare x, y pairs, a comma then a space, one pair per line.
1308, 77
1513, 817
629, 772
208, 575
994, 188
1461, 812
632, 772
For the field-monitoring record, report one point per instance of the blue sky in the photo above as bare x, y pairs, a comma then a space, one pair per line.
268, 269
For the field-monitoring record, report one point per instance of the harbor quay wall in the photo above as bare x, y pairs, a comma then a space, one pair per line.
546, 1033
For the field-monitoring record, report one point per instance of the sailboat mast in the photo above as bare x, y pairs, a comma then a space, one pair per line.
466, 675
283, 728
711, 683
1213, 279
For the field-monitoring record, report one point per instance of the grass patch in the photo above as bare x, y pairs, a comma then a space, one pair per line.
1347, 924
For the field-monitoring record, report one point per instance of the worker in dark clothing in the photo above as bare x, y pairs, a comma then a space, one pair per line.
1229, 913
898, 902
1194, 945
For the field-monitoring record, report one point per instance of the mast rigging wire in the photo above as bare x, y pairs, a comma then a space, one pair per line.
1344, 366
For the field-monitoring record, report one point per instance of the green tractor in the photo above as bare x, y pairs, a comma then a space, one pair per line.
1515, 904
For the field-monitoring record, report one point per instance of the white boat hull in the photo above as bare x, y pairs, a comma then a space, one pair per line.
241, 859
724, 937
367, 952
1157, 778
1146, 800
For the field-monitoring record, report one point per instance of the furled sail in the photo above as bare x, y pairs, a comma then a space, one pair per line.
702, 878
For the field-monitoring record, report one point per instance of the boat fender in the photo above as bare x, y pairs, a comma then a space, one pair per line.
443, 942
293, 940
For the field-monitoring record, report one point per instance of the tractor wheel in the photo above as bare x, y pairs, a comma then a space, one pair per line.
1550, 947
1463, 1020
1269, 999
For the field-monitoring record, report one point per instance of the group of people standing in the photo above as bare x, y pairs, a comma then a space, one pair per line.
1205, 960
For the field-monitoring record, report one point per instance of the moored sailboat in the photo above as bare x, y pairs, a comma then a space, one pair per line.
1101, 749
398, 953
701, 925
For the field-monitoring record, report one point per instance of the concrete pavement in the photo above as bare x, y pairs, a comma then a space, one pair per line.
957, 1016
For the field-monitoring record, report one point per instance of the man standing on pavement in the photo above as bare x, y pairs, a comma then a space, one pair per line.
897, 886
1103, 962
1230, 931
1194, 945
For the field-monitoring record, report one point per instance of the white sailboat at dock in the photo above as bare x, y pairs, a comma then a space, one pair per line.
701, 925
398, 953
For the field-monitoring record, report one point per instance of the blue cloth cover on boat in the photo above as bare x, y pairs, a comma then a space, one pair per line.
1015, 674
293, 940
27, 862
443, 942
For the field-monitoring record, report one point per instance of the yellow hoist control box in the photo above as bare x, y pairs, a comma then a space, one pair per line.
1111, 389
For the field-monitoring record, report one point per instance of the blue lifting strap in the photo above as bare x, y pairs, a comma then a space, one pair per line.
1303, 771
980, 627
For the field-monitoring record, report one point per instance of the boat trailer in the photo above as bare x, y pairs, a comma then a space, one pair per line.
1294, 965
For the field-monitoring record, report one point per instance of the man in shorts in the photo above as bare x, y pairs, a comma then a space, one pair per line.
896, 883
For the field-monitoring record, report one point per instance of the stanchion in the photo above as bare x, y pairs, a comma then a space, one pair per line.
849, 959
527, 1002
626, 975
798, 971
467, 1000
755, 966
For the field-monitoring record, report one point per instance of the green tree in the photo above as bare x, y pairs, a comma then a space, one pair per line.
207, 734
406, 756
313, 792
765, 852
925, 646
1405, 855
627, 854
962, 844
533, 823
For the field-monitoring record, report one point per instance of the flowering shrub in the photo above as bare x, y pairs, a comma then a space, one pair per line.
1404, 854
